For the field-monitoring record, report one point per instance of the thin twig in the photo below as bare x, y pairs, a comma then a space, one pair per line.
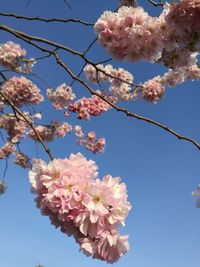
155, 4
5, 169
47, 20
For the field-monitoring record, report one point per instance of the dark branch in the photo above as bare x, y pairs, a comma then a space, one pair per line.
46, 19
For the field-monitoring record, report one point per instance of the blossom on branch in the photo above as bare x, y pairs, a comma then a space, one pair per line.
90, 141
22, 160
12, 56
21, 91
132, 34
121, 81
184, 18
89, 209
61, 96
7, 149
88, 107
51, 132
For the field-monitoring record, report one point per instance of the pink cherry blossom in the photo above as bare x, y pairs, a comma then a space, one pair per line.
49, 133
12, 56
184, 18
68, 191
61, 96
21, 91
7, 149
153, 90
90, 141
22, 160
87, 107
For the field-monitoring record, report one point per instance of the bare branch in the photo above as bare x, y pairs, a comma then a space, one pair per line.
47, 20
155, 4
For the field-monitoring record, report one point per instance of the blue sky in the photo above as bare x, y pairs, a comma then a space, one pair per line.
160, 171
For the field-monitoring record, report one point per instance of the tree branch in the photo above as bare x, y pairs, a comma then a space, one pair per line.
47, 20
27, 38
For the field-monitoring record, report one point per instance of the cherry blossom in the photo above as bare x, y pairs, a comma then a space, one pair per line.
90, 141
7, 149
68, 191
21, 91
52, 131
153, 90
22, 160
184, 17
87, 107
61, 96
12, 56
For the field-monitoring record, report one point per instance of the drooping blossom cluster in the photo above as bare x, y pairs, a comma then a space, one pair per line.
121, 81
15, 127
90, 141
196, 193
89, 209
51, 132
61, 96
3, 187
153, 90
22, 160
7, 149
21, 91
87, 107
12, 56
131, 34
184, 18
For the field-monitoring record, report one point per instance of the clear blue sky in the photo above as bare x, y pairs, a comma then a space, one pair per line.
160, 171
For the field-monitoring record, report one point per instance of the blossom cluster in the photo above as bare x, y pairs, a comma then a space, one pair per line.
90, 141
132, 34
61, 96
51, 132
83, 206
153, 89
15, 129
196, 193
22, 160
21, 91
12, 56
184, 18
88, 107
7, 149
121, 81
